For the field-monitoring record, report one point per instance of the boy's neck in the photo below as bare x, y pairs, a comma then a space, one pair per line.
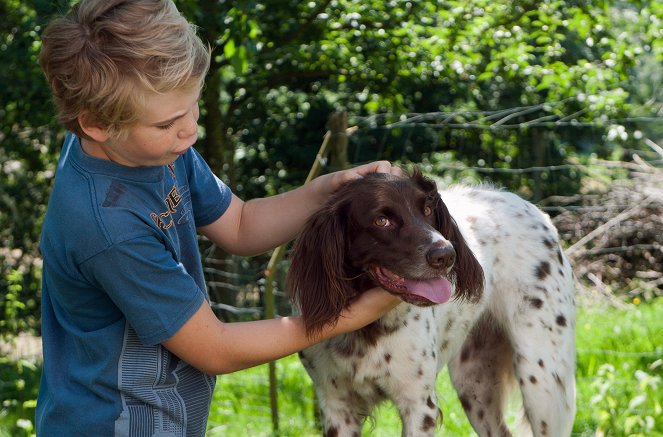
94, 149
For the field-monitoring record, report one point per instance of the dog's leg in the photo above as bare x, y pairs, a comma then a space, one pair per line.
482, 373
419, 415
543, 339
340, 420
340, 410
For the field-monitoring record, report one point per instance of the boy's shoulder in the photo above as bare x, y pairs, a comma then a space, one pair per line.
95, 204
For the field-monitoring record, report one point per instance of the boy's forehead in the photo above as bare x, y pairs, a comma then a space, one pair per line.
158, 107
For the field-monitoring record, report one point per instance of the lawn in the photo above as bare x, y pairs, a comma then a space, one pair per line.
620, 387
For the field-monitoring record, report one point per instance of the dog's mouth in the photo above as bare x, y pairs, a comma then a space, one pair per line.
418, 291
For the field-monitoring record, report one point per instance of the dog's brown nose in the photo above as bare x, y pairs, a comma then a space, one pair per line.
441, 257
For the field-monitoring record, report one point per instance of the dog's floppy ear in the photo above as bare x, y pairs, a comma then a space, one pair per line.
315, 280
466, 273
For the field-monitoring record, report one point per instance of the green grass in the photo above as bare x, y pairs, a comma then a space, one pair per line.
619, 393
620, 370
619, 385
241, 406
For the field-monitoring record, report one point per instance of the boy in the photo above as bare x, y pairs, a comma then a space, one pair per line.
130, 342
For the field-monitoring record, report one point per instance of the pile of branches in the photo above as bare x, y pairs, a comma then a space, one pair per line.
615, 238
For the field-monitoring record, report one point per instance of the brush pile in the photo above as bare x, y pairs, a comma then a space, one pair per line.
615, 239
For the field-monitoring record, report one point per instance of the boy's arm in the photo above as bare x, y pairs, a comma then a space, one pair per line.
215, 347
258, 225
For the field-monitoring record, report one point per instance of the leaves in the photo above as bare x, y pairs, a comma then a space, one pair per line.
280, 67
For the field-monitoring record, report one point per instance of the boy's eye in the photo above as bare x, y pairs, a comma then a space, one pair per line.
167, 126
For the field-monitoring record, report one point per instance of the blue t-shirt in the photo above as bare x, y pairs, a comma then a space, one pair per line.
122, 273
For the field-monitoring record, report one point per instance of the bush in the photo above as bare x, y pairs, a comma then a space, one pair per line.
19, 385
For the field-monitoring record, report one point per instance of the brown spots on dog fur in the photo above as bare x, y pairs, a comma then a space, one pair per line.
535, 302
532, 379
429, 422
465, 353
356, 346
465, 404
561, 320
543, 270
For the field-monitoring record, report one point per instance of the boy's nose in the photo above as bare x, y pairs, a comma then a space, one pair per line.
190, 125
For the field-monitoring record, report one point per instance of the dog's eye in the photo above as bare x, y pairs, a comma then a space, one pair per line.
428, 210
381, 221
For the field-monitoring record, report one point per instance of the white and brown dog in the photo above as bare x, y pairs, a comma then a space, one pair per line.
486, 289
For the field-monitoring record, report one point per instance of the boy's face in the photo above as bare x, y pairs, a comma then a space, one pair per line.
166, 128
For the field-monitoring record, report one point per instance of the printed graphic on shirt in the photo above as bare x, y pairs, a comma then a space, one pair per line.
178, 205
161, 395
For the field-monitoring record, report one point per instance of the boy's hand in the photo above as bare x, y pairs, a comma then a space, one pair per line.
339, 178
375, 167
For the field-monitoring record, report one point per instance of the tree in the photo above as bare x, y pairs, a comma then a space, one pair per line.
282, 66
27, 133
491, 85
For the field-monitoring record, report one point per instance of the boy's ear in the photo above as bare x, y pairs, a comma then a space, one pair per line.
91, 126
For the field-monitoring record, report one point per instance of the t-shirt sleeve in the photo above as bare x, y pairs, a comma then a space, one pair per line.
209, 195
153, 290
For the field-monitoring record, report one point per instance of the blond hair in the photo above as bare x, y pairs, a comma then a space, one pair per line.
104, 56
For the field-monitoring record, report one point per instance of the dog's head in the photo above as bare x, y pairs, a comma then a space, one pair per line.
380, 230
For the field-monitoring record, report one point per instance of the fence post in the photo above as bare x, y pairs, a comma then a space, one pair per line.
338, 121
338, 125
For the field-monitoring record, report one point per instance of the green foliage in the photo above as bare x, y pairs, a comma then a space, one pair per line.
283, 66
620, 370
27, 160
638, 418
19, 384
578, 77
19, 305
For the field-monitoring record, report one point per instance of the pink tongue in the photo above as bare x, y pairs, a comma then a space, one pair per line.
434, 290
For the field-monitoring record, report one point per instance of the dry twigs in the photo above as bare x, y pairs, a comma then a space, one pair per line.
616, 237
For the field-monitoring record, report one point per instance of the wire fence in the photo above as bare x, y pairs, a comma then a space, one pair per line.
247, 282
244, 280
